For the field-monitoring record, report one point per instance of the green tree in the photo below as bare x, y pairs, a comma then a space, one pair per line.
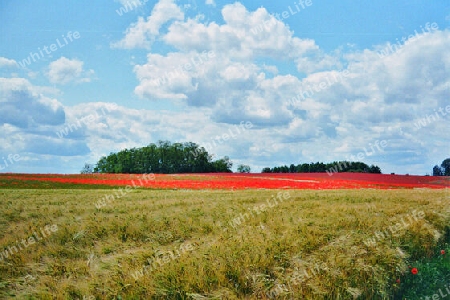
163, 157
437, 171
292, 168
374, 169
266, 170
243, 169
87, 169
446, 167
223, 165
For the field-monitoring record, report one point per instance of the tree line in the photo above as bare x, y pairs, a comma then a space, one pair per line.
319, 167
164, 157
443, 169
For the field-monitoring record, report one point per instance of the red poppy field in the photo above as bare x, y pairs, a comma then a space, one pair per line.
315, 181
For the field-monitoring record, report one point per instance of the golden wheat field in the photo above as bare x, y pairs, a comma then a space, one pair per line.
183, 244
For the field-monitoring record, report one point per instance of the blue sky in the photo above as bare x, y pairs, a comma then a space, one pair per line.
317, 81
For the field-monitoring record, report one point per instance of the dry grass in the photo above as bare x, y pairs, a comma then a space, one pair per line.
309, 246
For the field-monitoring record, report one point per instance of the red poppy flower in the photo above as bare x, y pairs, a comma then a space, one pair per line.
398, 281
414, 271
442, 252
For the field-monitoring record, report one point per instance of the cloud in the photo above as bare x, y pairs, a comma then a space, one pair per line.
230, 80
27, 119
124, 127
244, 35
7, 63
64, 70
45, 145
210, 2
375, 93
234, 85
144, 32
23, 107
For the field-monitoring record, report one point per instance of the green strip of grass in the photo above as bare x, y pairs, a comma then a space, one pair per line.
37, 184
433, 275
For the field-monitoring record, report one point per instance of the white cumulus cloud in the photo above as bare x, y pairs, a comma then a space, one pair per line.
7, 63
64, 70
144, 32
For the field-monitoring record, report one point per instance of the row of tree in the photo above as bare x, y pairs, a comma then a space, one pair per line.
443, 169
319, 167
163, 157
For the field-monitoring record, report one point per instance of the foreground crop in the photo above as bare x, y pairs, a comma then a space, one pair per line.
166, 244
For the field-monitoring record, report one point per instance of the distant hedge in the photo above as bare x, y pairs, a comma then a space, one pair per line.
330, 168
